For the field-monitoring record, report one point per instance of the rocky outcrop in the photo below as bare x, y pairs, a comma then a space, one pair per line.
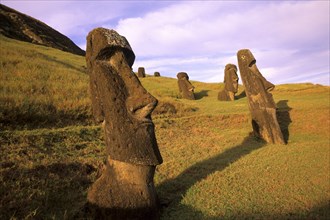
19, 26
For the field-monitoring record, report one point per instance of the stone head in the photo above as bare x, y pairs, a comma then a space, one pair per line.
182, 76
260, 100
247, 64
185, 86
141, 72
123, 102
101, 42
231, 78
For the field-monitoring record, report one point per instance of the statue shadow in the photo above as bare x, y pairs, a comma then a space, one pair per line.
170, 191
241, 95
201, 94
283, 118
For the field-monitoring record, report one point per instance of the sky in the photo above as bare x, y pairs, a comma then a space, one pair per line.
289, 39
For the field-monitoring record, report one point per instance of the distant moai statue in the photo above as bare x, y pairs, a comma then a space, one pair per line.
156, 74
185, 87
261, 103
141, 72
231, 84
125, 189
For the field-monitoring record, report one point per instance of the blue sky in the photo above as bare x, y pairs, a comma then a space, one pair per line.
289, 39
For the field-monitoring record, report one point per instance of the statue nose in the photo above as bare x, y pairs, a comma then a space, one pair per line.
268, 85
141, 106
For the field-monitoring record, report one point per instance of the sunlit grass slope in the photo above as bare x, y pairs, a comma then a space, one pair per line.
51, 151
40, 85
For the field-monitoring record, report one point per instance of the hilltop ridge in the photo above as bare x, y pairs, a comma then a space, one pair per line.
19, 26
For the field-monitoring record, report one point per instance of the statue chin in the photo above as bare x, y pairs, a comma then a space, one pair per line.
124, 191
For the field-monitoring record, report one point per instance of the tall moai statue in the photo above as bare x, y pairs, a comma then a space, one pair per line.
185, 87
231, 84
141, 72
125, 189
261, 103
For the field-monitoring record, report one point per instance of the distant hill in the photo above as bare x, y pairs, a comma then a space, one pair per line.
19, 26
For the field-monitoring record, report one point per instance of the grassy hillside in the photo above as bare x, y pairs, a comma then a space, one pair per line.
51, 151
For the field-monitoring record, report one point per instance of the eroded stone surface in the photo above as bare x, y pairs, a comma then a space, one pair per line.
261, 103
156, 74
185, 87
231, 83
124, 106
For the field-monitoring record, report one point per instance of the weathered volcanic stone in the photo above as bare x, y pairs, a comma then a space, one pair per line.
126, 189
185, 87
261, 103
231, 84
141, 72
156, 74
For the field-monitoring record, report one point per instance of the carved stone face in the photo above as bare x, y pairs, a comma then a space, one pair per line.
246, 58
185, 87
120, 100
231, 78
256, 86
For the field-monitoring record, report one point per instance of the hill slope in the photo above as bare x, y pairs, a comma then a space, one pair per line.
22, 27
51, 151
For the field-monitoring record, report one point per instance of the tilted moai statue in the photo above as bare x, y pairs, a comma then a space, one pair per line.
125, 189
156, 74
231, 84
185, 87
261, 103
141, 72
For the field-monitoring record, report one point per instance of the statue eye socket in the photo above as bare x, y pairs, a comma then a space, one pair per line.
252, 63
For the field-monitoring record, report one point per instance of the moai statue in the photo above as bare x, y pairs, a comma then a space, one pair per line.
141, 72
156, 74
231, 84
125, 189
185, 87
261, 103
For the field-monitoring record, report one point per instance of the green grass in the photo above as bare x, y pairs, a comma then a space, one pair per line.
51, 151
40, 85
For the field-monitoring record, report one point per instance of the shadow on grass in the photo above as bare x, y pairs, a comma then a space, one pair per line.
201, 94
283, 118
241, 95
171, 191
35, 115
54, 191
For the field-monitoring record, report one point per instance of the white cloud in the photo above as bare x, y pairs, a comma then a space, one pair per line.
288, 38
277, 34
